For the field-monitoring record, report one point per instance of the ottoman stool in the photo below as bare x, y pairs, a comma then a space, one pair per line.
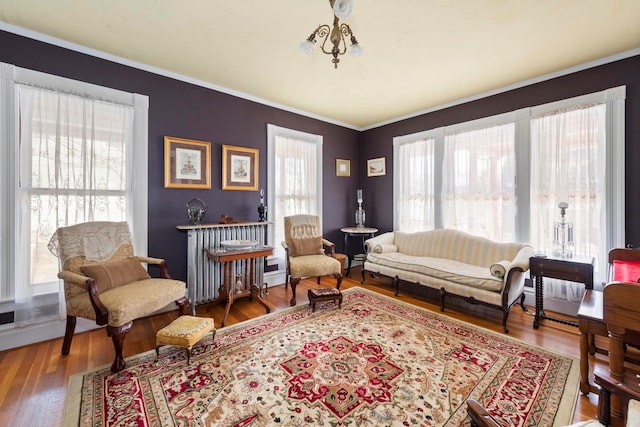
185, 331
324, 294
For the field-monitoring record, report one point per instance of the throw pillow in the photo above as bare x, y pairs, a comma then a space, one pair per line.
117, 273
499, 269
307, 246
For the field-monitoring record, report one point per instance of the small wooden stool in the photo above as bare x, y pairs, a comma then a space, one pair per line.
324, 294
185, 331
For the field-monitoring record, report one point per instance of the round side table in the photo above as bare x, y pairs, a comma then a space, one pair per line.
362, 233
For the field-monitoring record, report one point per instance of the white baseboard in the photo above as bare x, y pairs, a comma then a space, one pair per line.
13, 337
274, 278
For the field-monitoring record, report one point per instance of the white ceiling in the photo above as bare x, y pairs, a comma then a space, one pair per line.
418, 54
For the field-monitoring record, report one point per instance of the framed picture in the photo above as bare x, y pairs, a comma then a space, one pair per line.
239, 168
343, 167
376, 167
187, 163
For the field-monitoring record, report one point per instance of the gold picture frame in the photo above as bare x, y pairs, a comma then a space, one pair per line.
239, 168
377, 167
343, 167
187, 163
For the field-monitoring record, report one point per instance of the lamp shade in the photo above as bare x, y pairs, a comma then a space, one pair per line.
342, 8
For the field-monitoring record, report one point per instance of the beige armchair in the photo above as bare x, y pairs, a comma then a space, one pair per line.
105, 282
306, 255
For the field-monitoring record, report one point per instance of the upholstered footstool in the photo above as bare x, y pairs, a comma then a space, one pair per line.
324, 294
185, 332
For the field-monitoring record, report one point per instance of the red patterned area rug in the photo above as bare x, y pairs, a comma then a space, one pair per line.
376, 361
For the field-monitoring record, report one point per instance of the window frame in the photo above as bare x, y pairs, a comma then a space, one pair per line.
614, 98
10, 193
274, 131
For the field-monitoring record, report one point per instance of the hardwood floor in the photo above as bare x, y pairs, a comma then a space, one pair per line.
34, 378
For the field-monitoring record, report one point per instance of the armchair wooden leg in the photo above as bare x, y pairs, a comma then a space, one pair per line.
182, 306
68, 335
338, 277
294, 283
117, 334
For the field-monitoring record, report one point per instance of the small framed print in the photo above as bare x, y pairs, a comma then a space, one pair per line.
376, 167
343, 167
239, 168
187, 163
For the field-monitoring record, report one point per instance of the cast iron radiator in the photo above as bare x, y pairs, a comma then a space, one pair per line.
204, 276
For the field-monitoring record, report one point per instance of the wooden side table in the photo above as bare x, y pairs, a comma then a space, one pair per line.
249, 287
576, 269
361, 232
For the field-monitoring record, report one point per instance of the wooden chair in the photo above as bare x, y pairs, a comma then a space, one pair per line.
619, 383
105, 282
306, 252
590, 317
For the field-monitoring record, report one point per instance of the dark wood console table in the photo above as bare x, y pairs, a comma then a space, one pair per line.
362, 233
576, 269
249, 286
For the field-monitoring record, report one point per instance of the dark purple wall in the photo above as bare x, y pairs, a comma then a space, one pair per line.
378, 142
188, 111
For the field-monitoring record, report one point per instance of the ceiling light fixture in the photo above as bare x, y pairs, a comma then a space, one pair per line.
335, 35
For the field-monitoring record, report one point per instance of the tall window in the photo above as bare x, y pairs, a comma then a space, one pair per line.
568, 154
503, 176
413, 192
294, 178
478, 183
75, 144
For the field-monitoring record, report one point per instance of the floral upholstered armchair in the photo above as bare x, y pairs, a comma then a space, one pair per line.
105, 282
305, 252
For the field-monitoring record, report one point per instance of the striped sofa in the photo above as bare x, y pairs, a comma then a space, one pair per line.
454, 263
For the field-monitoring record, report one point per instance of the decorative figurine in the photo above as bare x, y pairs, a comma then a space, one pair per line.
239, 286
195, 210
563, 234
262, 209
360, 215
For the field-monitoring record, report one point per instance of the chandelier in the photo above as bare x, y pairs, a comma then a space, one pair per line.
334, 38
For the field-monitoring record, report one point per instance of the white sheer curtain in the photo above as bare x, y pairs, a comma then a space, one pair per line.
478, 184
568, 157
296, 182
72, 169
413, 185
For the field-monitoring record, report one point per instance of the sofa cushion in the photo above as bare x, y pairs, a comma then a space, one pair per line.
442, 268
116, 273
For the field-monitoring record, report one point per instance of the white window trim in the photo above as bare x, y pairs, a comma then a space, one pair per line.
10, 75
272, 132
